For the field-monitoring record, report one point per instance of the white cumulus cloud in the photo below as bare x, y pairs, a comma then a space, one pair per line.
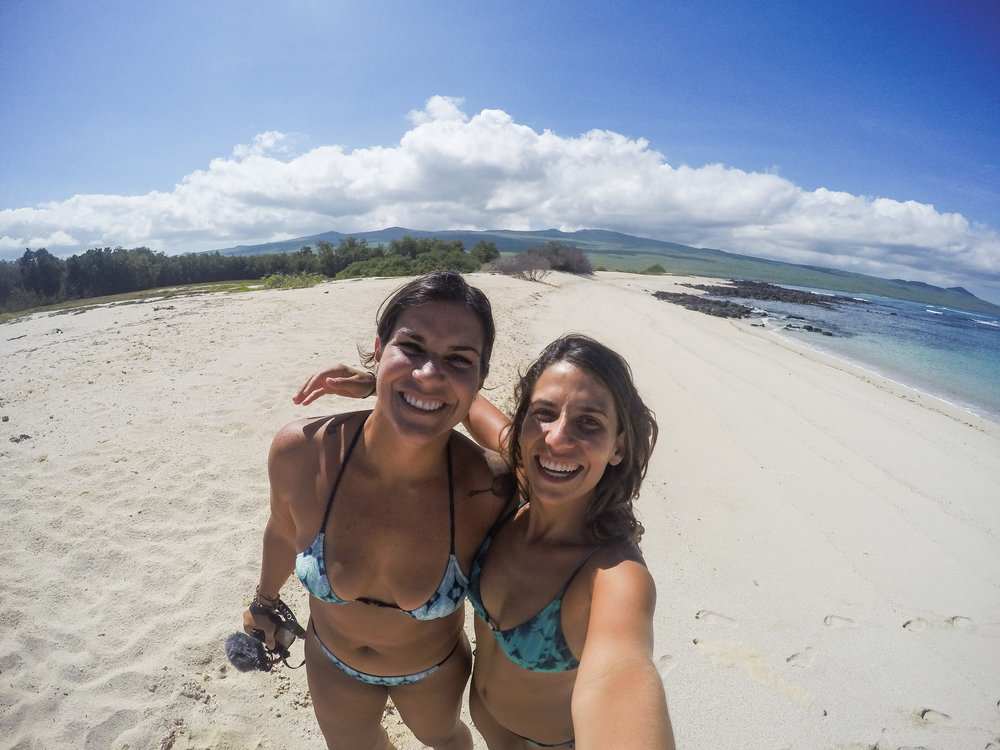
486, 171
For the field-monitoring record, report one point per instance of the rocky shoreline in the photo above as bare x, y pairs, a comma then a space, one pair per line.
709, 303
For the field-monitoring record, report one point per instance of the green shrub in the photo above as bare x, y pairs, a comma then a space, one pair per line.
287, 281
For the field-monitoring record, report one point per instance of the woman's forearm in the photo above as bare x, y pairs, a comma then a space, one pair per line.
487, 425
624, 707
277, 561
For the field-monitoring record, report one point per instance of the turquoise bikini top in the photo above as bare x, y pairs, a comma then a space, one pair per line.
310, 565
537, 644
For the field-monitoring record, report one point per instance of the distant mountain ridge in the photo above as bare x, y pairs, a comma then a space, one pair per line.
625, 252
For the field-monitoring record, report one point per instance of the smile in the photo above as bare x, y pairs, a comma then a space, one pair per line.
423, 404
557, 469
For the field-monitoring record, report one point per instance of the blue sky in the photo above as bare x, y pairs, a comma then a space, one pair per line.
856, 135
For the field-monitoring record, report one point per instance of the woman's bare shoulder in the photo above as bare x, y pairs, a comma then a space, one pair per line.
620, 566
477, 457
483, 470
307, 436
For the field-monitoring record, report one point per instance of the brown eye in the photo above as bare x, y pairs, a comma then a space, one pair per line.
462, 363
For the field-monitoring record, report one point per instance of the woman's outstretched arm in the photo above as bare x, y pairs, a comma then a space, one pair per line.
618, 700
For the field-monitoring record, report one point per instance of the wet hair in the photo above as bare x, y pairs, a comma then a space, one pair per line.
438, 286
610, 514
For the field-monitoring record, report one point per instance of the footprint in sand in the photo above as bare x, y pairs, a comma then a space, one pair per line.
804, 658
665, 664
930, 716
833, 621
918, 624
714, 618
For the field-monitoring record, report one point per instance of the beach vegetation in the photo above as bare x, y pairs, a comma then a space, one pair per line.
291, 281
413, 256
521, 266
485, 252
564, 258
38, 279
145, 296
535, 263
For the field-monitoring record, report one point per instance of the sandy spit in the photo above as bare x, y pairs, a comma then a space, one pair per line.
826, 544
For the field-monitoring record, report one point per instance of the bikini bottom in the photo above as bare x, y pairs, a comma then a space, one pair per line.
568, 743
372, 679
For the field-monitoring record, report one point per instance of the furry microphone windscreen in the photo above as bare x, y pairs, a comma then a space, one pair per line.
246, 653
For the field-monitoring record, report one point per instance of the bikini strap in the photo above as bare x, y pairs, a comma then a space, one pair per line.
506, 517
451, 494
503, 520
340, 474
577, 570
480, 558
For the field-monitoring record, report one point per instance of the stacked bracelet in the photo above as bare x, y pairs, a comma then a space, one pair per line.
263, 600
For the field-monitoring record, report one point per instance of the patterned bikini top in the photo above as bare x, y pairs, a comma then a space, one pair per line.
310, 565
538, 644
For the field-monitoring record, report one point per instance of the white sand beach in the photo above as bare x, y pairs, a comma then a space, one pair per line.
826, 544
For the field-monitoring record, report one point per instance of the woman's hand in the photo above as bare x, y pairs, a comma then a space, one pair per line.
339, 380
261, 622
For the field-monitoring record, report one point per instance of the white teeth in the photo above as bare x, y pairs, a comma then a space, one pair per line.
421, 404
558, 467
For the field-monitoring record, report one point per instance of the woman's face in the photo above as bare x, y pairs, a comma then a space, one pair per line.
570, 434
429, 369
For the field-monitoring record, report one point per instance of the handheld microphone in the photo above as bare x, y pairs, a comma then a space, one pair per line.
246, 653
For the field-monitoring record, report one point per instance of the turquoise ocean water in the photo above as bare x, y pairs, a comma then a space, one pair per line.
946, 352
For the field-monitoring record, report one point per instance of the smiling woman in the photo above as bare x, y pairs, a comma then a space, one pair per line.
369, 508
437, 347
563, 600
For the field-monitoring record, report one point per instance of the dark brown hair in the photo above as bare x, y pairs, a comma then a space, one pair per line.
610, 515
438, 286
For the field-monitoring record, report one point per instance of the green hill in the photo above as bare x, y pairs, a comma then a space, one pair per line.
624, 252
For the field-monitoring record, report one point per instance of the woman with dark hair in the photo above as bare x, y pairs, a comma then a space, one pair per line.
610, 512
380, 514
563, 600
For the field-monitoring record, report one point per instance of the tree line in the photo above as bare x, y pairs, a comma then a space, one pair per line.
39, 278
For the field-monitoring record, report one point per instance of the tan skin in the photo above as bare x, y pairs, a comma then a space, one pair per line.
569, 438
615, 698
388, 535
